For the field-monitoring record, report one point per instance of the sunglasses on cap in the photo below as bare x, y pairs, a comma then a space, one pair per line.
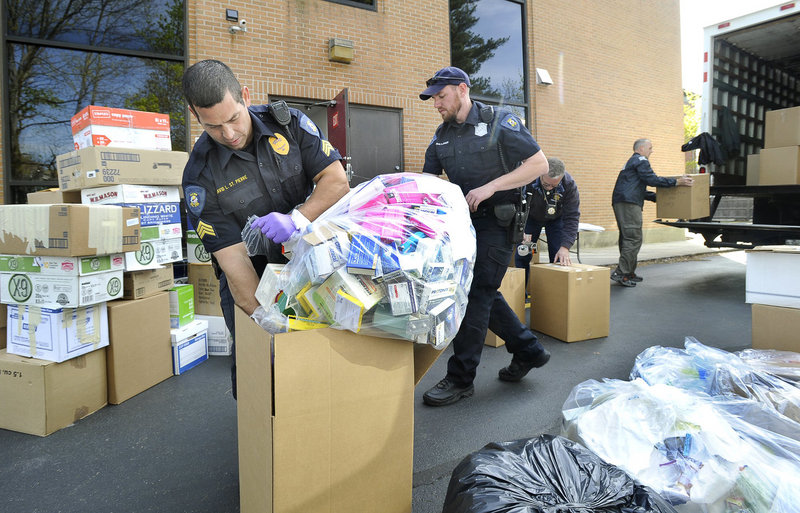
447, 80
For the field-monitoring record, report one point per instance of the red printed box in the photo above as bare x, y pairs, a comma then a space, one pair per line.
121, 128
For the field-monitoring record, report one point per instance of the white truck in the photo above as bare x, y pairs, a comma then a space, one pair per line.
751, 65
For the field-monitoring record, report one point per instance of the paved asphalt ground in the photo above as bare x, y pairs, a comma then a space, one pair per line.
173, 448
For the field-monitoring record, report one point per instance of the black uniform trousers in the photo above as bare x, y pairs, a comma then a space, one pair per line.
487, 308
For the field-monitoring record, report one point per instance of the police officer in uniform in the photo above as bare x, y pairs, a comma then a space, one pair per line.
478, 147
260, 160
555, 205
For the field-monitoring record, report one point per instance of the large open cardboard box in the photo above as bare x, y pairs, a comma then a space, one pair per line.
330, 425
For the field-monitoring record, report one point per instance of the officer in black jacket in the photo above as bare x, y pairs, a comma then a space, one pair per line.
479, 148
555, 205
628, 197
258, 160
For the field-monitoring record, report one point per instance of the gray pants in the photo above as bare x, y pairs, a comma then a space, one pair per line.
629, 222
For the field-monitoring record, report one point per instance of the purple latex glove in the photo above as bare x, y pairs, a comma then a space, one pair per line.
278, 227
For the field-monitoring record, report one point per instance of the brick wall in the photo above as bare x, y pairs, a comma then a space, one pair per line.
616, 68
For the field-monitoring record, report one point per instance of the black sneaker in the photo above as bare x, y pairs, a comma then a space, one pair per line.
518, 368
622, 279
635, 278
446, 392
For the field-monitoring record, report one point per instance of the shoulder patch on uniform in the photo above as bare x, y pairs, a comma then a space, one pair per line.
205, 230
195, 199
308, 125
511, 121
433, 140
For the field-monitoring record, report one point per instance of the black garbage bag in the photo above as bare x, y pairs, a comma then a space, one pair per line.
546, 474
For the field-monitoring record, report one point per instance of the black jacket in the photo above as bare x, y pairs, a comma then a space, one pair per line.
632, 182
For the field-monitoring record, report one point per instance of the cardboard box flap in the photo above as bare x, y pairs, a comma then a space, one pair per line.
775, 249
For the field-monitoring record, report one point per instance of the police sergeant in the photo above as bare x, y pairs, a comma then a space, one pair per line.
489, 153
258, 160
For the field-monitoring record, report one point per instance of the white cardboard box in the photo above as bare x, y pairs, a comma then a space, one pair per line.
773, 276
154, 254
219, 338
189, 346
128, 193
54, 291
64, 266
56, 334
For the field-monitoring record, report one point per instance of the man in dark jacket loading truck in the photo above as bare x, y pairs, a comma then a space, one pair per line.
630, 191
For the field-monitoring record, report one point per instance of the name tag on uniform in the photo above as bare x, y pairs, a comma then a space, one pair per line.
481, 129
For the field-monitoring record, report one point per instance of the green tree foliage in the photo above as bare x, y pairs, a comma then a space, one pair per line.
691, 123
469, 50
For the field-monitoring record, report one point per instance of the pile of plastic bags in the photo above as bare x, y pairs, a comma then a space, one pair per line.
705, 429
393, 258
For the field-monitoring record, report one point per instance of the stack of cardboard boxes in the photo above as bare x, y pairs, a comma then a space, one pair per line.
90, 280
779, 161
772, 285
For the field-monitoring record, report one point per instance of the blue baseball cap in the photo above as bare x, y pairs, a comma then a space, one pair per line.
445, 76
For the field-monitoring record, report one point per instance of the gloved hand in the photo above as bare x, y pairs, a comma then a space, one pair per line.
278, 227
270, 320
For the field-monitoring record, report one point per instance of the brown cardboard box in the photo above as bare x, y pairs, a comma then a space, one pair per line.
3, 322
140, 353
206, 289
513, 290
315, 432
3, 337
779, 166
752, 169
776, 327
69, 230
782, 128
684, 202
39, 397
140, 284
570, 303
53, 196
98, 166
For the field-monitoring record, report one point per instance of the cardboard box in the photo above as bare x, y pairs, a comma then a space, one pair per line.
95, 167
206, 289
513, 290
220, 342
181, 305
685, 202
122, 128
56, 334
62, 266
154, 254
753, 162
779, 166
130, 193
189, 346
68, 230
40, 397
776, 327
782, 128
141, 284
772, 276
53, 291
139, 354
360, 437
3, 336
195, 251
53, 195
3, 320
570, 303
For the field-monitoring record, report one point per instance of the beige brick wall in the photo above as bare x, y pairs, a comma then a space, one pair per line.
616, 68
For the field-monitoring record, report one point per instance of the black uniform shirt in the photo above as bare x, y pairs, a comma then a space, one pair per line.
468, 152
223, 187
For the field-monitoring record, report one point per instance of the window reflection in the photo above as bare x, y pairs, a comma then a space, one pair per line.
47, 85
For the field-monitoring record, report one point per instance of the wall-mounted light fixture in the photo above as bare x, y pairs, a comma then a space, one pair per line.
233, 15
340, 50
543, 77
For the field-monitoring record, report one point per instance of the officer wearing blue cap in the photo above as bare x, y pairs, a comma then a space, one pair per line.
490, 154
